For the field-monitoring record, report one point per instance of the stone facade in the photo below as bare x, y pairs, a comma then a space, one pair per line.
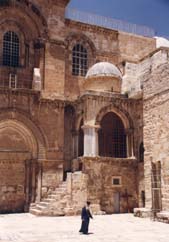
55, 147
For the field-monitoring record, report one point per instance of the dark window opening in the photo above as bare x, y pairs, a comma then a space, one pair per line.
11, 49
81, 140
79, 60
116, 181
143, 199
112, 137
141, 152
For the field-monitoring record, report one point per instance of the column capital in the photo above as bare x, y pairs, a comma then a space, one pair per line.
129, 131
91, 126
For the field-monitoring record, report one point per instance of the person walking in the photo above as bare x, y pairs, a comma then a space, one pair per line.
85, 216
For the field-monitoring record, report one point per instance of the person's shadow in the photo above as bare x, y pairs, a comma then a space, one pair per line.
88, 233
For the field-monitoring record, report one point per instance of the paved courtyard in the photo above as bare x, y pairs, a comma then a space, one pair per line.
108, 228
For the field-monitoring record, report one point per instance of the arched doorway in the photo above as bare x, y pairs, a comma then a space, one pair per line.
112, 137
18, 166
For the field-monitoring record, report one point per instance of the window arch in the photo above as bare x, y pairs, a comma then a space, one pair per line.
11, 47
79, 60
112, 137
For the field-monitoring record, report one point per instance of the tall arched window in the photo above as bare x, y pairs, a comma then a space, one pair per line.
10, 49
79, 60
112, 137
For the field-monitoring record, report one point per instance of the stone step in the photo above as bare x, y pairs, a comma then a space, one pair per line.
54, 196
54, 204
63, 186
35, 211
32, 205
41, 207
43, 203
49, 200
56, 193
60, 189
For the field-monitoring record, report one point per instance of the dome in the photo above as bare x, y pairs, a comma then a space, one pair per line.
104, 69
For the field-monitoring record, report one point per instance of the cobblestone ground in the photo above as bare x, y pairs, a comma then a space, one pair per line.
108, 228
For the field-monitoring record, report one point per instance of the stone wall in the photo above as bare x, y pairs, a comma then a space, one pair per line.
12, 191
156, 123
135, 47
77, 186
101, 191
96, 105
52, 175
31, 126
141, 185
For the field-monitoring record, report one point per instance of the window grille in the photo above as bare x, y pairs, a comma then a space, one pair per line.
79, 60
112, 137
11, 49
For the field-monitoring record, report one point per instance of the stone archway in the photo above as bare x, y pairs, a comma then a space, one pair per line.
112, 137
126, 124
20, 150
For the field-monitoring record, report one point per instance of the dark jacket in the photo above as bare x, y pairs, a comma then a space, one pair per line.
86, 215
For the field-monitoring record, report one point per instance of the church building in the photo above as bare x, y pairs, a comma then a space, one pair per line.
83, 112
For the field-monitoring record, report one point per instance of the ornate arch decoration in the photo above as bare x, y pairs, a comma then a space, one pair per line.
25, 126
29, 11
23, 131
74, 38
123, 115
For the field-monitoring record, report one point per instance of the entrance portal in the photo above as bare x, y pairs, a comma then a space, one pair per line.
17, 181
18, 167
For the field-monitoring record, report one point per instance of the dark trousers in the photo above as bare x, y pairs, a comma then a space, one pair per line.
84, 226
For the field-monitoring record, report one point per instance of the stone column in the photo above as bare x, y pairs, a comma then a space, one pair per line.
90, 140
147, 179
27, 184
39, 182
34, 167
130, 143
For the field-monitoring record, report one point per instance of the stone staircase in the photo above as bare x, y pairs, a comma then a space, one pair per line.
56, 203
67, 199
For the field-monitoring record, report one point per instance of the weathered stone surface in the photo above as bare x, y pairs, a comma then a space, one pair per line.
49, 117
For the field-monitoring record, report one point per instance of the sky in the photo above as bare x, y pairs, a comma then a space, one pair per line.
152, 13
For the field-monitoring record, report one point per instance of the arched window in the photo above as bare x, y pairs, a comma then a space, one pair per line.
112, 137
10, 49
79, 60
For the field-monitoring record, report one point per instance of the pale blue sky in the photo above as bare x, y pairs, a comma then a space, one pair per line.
152, 13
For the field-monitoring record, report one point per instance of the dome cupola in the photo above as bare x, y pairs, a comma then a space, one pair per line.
103, 76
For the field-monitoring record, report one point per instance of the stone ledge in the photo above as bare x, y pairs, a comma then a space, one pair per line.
142, 212
163, 216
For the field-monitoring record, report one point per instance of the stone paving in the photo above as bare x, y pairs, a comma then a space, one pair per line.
107, 228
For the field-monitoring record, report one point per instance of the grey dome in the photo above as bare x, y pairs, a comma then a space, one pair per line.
104, 69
